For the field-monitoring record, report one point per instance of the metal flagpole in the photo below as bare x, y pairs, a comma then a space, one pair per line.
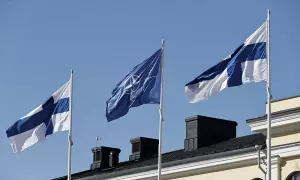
269, 135
161, 110
70, 130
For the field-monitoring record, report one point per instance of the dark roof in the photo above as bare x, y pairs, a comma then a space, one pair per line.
226, 148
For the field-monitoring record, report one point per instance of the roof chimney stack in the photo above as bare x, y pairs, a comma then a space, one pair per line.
204, 131
143, 147
105, 157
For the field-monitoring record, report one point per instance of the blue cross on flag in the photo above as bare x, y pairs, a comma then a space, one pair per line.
48, 118
246, 64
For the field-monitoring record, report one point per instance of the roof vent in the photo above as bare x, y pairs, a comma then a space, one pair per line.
143, 147
203, 131
105, 157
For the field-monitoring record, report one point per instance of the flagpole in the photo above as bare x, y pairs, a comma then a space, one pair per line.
161, 110
70, 129
269, 135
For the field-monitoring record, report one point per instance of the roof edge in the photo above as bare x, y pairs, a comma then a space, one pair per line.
164, 165
282, 99
275, 114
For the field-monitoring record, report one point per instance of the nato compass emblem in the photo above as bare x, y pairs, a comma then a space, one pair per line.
136, 85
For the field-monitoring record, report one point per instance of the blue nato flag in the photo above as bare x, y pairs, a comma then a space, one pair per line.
140, 86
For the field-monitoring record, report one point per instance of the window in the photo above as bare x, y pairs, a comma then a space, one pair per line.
294, 176
96, 156
191, 129
135, 147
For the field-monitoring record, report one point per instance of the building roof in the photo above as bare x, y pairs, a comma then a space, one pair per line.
233, 146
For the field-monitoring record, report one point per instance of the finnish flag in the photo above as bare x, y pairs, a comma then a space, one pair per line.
246, 64
46, 119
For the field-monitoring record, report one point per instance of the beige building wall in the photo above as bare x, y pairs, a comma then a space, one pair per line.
289, 165
286, 138
284, 104
242, 173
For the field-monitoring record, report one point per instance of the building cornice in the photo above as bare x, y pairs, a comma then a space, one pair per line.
283, 99
275, 114
282, 121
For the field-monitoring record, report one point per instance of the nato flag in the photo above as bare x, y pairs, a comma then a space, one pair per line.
140, 86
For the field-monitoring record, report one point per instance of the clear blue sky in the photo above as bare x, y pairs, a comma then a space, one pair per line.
40, 41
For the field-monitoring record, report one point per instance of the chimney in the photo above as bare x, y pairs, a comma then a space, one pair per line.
204, 131
143, 147
105, 157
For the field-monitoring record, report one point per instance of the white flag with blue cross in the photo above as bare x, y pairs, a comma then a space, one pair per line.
248, 63
46, 119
